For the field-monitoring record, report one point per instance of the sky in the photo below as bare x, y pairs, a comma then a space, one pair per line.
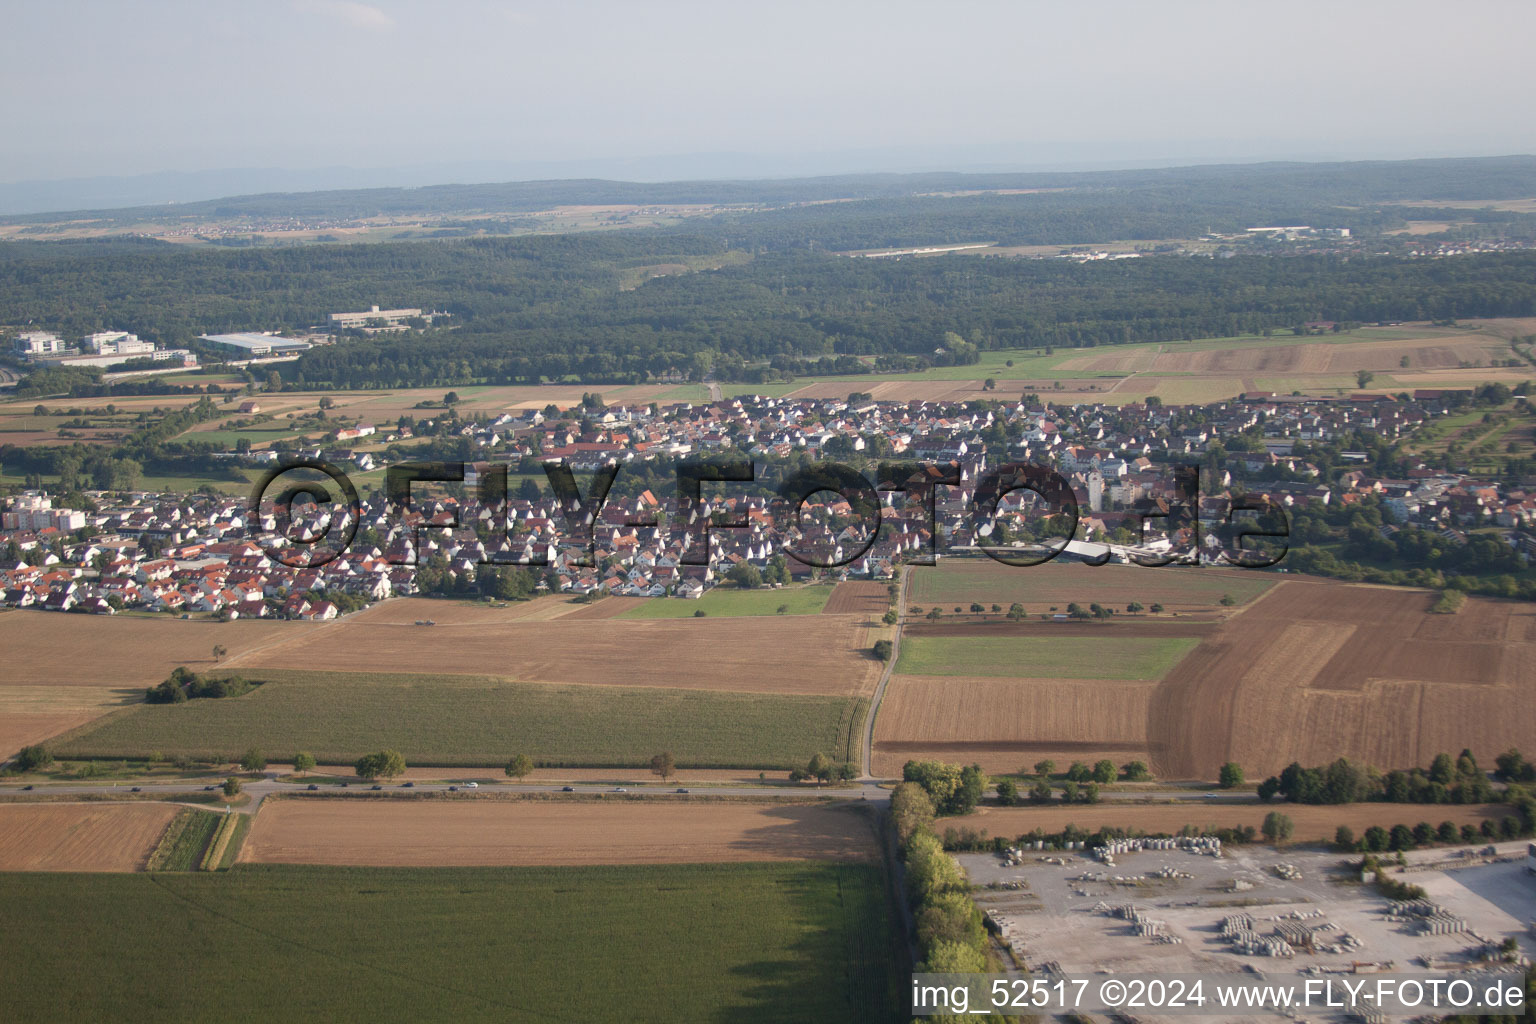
680, 89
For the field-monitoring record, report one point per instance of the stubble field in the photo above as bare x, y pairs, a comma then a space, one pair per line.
486, 833
80, 837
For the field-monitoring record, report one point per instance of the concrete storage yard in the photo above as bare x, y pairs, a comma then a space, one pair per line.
1057, 920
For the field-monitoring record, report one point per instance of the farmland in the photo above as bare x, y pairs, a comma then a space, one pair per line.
1313, 823
80, 837
1057, 583
476, 720
1317, 671
31, 714
122, 650
735, 654
1068, 657
741, 941
725, 601
519, 833
1310, 671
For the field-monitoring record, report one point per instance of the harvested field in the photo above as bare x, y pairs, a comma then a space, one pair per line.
961, 581
451, 833
1317, 671
731, 602
407, 611
95, 650
32, 714
1005, 723
1073, 629
1313, 823
80, 837
858, 597
719, 653
607, 608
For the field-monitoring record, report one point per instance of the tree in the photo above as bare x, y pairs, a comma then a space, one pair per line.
1156, 609
519, 767
930, 871
1442, 769
882, 650
303, 762
745, 574
1136, 771
911, 810
1231, 775
34, 758
1007, 792
664, 765
385, 764
973, 784
1045, 767
1069, 792
1363, 379
1227, 600
1344, 838
950, 917
1375, 840
1134, 607
1277, 827
1079, 772
819, 768
890, 617
1016, 611
253, 760
946, 957
219, 650
1105, 771
231, 786
1040, 792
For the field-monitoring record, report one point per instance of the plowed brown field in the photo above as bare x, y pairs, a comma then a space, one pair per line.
858, 597
465, 833
1317, 671
80, 837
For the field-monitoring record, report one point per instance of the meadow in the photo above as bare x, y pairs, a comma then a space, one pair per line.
726, 601
478, 720
1057, 583
675, 943
1067, 657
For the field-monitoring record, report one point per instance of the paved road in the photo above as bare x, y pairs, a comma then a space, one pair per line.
866, 769
259, 790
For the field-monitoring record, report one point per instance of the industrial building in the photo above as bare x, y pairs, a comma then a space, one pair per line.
256, 346
377, 321
116, 343
33, 344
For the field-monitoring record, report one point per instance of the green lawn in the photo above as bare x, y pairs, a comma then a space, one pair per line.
678, 943
475, 720
727, 601
1043, 657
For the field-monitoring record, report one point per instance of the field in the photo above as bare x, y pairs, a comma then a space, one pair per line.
1312, 670
727, 601
1317, 671
961, 581
674, 943
470, 720
32, 714
1313, 823
736, 654
1068, 657
858, 597
519, 833
80, 837
43, 648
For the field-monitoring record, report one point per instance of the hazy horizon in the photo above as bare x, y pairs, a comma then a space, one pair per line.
391, 90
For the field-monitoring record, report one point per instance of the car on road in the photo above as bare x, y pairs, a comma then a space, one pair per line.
209, 789
471, 785
453, 789
1211, 796
135, 789
407, 785
313, 787
680, 789
618, 789
563, 789
375, 786
26, 787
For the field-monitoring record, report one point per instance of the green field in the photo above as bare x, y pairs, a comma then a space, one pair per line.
676, 943
185, 841
475, 720
1056, 583
727, 601
1042, 657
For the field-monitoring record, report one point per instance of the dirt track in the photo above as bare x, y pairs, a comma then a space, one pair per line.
463, 833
